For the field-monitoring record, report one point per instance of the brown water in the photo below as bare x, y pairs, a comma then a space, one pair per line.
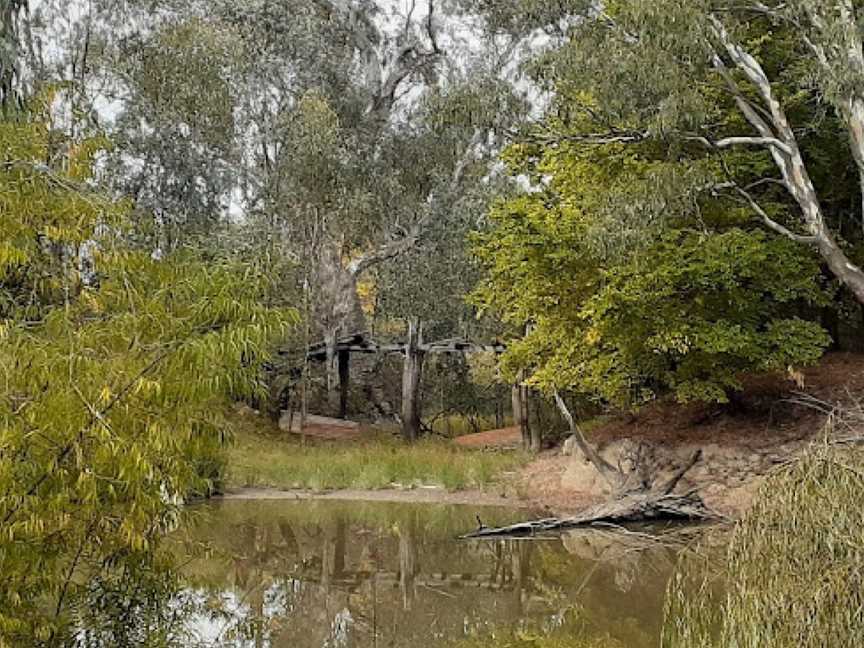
333, 574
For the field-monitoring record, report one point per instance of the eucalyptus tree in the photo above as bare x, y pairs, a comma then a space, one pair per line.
10, 44
752, 83
426, 287
364, 127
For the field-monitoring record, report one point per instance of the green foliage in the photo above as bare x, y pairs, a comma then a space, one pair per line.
45, 214
691, 314
113, 368
184, 73
792, 570
658, 75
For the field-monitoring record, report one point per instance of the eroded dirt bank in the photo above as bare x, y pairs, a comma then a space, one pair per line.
773, 421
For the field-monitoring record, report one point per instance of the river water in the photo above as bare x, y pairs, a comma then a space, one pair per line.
351, 574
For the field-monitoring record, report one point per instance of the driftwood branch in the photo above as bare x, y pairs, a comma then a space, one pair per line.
644, 505
639, 507
670, 485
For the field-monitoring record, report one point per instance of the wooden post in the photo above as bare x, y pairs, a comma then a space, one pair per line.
344, 382
332, 370
519, 397
412, 372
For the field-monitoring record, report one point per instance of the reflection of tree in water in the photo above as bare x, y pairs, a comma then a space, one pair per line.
408, 564
326, 576
522, 568
509, 565
138, 602
333, 552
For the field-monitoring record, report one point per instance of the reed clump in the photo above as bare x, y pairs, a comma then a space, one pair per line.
792, 572
381, 462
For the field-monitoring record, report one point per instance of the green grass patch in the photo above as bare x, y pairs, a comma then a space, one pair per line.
270, 459
456, 425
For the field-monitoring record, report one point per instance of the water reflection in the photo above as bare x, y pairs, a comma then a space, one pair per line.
339, 575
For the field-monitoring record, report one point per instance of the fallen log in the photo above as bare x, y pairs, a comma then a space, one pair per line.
636, 507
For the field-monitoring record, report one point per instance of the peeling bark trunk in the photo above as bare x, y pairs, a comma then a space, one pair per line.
10, 63
337, 313
853, 110
332, 370
412, 373
787, 154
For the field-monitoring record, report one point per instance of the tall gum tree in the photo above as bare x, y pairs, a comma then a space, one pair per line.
639, 61
211, 105
393, 77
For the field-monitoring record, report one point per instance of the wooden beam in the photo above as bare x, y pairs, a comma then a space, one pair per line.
356, 344
344, 381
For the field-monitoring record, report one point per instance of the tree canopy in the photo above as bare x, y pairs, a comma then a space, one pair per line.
643, 198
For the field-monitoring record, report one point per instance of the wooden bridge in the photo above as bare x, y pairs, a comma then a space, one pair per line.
337, 356
365, 343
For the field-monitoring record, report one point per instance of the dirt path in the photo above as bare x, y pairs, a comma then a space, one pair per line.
413, 496
503, 438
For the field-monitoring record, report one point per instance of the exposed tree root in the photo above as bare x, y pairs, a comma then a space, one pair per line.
644, 505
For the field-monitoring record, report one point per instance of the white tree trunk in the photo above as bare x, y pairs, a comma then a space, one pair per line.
412, 374
332, 371
773, 124
611, 474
